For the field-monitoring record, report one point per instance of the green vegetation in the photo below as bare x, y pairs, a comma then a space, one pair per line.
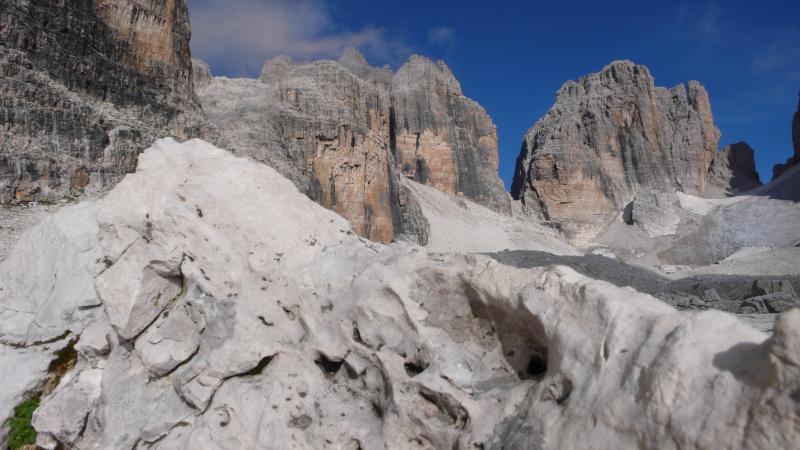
22, 432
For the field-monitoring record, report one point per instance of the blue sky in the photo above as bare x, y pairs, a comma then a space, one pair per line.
512, 56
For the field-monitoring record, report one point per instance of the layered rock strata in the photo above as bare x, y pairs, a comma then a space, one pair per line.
85, 86
327, 130
442, 138
341, 131
206, 303
607, 136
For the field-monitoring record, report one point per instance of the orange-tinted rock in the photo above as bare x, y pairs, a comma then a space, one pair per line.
608, 136
89, 84
442, 138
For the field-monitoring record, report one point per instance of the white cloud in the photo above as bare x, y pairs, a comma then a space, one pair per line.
444, 37
240, 34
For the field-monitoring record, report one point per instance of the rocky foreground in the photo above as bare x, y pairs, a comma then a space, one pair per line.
207, 303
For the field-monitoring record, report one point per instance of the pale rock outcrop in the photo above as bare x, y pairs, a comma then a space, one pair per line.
733, 170
308, 336
85, 87
655, 212
607, 136
442, 138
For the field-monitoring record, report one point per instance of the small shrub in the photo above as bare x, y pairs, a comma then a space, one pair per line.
22, 432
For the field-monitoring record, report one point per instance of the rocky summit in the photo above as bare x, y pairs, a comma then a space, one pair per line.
611, 134
85, 87
346, 132
324, 257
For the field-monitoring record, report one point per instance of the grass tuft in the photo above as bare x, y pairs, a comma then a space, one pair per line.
22, 432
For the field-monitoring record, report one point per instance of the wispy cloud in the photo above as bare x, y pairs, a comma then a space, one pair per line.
701, 19
782, 53
444, 37
241, 34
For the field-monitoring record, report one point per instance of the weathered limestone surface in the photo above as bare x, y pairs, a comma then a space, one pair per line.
292, 332
85, 86
607, 136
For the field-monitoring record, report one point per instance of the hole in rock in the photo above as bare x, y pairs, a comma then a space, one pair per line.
414, 368
329, 367
537, 367
521, 334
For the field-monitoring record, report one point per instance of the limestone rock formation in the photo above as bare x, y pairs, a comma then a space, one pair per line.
779, 169
85, 87
327, 130
344, 133
733, 170
442, 138
607, 136
290, 331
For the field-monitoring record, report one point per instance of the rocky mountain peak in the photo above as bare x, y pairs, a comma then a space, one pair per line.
422, 72
608, 135
276, 68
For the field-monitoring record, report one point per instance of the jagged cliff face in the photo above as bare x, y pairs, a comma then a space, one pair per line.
345, 133
609, 135
442, 138
85, 86
327, 130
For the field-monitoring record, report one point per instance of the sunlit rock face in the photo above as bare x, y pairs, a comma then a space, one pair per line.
442, 138
345, 132
607, 136
85, 87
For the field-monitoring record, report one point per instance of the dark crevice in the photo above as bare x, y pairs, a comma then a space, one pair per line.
328, 367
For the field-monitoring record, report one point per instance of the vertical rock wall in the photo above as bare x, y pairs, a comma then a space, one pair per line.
609, 135
85, 86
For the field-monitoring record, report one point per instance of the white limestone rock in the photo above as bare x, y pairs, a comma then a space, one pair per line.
292, 332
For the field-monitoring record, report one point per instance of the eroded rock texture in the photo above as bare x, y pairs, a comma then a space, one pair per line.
733, 170
345, 132
779, 169
85, 86
442, 138
607, 136
215, 306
